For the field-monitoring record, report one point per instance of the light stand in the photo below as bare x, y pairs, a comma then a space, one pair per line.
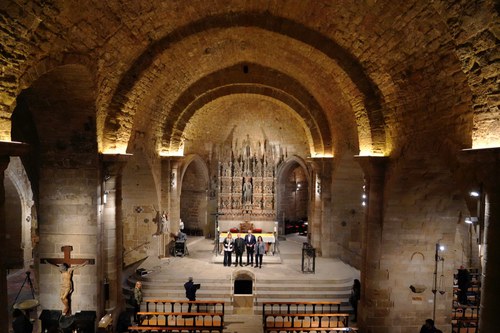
28, 279
437, 259
216, 241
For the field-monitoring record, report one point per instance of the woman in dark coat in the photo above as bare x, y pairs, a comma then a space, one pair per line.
355, 297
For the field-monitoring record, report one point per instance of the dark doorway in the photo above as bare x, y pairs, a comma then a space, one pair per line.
243, 287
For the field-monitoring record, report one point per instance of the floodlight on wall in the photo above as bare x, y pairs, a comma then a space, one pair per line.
364, 196
318, 185
471, 220
474, 194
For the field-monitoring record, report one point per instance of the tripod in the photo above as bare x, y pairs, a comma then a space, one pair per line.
216, 240
27, 278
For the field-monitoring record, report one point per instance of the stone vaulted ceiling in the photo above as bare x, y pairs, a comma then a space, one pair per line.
369, 76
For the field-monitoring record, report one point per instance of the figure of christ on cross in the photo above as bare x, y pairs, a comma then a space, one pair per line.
64, 266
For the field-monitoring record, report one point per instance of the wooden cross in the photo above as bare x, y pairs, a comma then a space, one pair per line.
67, 258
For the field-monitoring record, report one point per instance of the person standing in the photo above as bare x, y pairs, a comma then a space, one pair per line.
260, 249
239, 248
464, 282
250, 242
137, 300
355, 297
429, 327
228, 249
191, 288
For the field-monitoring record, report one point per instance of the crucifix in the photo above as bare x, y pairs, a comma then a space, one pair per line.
66, 270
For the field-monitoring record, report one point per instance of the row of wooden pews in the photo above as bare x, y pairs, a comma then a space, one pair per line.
175, 316
208, 316
465, 318
304, 316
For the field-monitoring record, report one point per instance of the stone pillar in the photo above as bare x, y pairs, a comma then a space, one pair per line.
112, 230
484, 164
320, 207
7, 149
170, 173
169, 186
374, 299
4, 309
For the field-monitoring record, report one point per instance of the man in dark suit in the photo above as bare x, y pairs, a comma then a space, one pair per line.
250, 242
239, 248
191, 288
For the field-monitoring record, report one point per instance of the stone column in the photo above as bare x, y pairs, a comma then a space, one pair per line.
170, 199
484, 164
7, 149
4, 309
172, 175
112, 230
320, 206
373, 297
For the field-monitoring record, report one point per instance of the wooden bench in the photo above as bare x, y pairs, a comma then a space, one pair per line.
164, 315
304, 316
300, 321
466, 312
160, 329
167, 305
300, 307
465, 325
179, 321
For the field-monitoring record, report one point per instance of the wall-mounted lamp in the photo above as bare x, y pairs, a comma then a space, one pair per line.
364, 197
474, 194
471, 220
318, 185
173, 180
105, 197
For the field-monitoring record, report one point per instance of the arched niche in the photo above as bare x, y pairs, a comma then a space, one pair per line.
293, 196
193, 196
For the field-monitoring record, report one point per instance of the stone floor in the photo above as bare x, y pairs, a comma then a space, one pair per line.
201, 262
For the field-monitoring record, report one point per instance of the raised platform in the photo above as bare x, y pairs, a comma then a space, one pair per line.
268, 259
332, 281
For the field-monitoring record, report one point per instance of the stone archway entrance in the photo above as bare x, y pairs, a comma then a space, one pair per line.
243, 292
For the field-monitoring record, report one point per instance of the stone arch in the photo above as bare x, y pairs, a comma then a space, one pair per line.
17, 181
292, 196
115, 131
45, 66
243, 291
265, 81
193, 186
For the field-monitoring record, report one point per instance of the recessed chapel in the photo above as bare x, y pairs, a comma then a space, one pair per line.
370, 127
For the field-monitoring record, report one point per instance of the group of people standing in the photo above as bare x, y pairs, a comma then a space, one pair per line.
252, 246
